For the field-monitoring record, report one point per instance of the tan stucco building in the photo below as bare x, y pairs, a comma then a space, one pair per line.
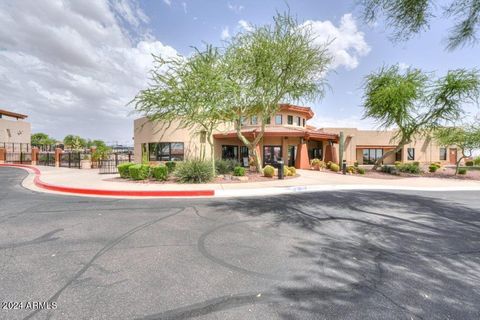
287, 137
15, 131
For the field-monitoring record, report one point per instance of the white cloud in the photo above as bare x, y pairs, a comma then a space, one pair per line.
403, 66
72, 67
168, 2
235, 7
225, 34
347, 43
245, 25
184, 6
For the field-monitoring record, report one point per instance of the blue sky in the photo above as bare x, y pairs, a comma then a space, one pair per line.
74, 66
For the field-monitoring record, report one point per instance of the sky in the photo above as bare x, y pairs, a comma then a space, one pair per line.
75, 66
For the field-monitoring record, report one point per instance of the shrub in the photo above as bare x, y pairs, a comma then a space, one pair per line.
416, 163
355, 164
409, 168
391, 169
360, 170
159, 172
194, 171
397, 163
351, 169
123, 169
139, 171
433, 167
225, 166
239, 171
329, 163
469, 163
462, 171
334, 167
476, 161
170, 166
268, 171
286, 171
315, 162
292, 170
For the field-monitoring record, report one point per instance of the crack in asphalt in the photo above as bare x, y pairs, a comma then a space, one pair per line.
43, 238
100, 253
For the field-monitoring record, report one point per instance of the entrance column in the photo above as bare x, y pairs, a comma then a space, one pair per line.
302, 161
330, 153
2, 155
58, 156
34, 155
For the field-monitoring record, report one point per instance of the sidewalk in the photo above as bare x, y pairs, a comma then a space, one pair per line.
307, 181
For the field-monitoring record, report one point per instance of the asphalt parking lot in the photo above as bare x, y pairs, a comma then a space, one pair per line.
325, 255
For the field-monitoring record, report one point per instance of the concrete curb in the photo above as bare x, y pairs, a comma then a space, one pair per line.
272, 191
102, 192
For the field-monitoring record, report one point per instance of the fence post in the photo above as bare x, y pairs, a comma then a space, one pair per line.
34, 155
2, 155
58, 156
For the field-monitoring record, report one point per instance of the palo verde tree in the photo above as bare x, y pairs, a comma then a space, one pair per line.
410, 17
193, 92
466, 138
74, 142
270, 64
416, 104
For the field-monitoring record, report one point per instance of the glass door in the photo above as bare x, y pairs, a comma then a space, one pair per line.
271, 155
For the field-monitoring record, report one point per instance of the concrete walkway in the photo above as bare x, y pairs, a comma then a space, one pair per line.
307, 181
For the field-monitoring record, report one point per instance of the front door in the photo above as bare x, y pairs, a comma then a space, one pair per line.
453, 156
291, 155
272, 154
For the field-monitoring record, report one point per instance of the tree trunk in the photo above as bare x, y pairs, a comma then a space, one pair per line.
252, 146
212, 153
397, 148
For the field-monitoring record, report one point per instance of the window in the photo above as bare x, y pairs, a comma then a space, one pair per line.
289, 120
267, 120
243, 120
278, 119
229, 152
370, 156
443, 153
304, 122
299, 123
244, 155
166, 151
254, 120
410, 153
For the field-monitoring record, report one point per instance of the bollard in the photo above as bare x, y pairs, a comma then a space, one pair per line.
344, 167
280, 169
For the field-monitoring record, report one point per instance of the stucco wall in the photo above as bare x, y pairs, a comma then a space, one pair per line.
16, 131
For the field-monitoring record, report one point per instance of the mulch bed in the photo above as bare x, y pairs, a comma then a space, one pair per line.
252, 177
442, 173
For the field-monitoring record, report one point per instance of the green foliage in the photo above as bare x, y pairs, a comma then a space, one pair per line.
171, 165
225, 166
329, 163
139, 171
39, 139
96, 143
416, 103
268, 171
360, 170
410, 17
159, 172
239, 171
432, 167
391, 169
476, 161
469, 163
123, 169
74, 142
355, 164
334, 167
194, 171
411, 167
101, 153
292, 171
462, 171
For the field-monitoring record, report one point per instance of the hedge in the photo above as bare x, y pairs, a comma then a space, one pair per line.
139, 171
159, 172
123, 169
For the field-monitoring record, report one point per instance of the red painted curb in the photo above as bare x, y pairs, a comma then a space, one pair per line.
102, 192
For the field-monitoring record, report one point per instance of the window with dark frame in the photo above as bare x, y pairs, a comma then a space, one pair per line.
278, 119
370, 156
229, 152
304, 122
267, 120
253, 120
290, 119
443, 153
410, 153
299, 123
166, 151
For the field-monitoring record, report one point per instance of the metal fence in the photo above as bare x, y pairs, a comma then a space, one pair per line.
71, 159
15, 147
46, 159
18, 157
109, 166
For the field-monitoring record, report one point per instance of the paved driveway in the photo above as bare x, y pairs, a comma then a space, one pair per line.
342, 255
